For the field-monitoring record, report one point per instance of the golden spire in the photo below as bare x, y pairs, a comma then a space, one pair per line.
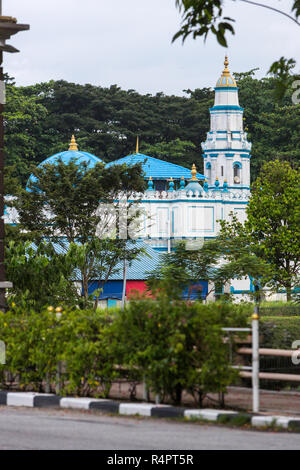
73, 145
194, 172
226, 63
137, 144
226, 79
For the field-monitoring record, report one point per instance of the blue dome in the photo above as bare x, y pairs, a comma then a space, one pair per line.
72, 154
69, 155
194, 186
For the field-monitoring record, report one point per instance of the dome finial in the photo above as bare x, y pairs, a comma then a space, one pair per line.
226, 63
194, 173
137, 145
73, 144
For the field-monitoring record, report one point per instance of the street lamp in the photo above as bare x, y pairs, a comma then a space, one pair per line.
8, 27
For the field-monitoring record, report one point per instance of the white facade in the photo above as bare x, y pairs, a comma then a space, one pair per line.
193, 212
226, 151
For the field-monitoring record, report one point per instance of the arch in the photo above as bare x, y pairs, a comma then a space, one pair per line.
208, 172
237, 167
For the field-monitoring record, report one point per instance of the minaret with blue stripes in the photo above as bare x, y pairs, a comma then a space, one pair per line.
226, 151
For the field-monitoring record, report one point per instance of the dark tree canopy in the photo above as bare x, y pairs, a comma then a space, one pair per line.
41, 118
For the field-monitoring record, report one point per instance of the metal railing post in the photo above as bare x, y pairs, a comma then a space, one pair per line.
255, 360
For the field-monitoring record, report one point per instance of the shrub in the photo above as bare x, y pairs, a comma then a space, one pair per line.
37, 341
177, 345
279, 332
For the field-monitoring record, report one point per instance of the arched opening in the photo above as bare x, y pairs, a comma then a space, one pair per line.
237, 166
208, 172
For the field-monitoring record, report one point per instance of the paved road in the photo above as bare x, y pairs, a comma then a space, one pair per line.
22, 428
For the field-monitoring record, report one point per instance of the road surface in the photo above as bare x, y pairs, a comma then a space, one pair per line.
37, 429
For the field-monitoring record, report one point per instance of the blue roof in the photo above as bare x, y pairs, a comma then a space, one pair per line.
157, 169
139, 269
69, 155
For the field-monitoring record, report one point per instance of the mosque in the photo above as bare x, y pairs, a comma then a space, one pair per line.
181, 204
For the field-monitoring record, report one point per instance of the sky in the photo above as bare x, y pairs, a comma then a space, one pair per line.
128, 43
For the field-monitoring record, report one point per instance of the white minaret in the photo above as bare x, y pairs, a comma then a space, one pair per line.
226, 149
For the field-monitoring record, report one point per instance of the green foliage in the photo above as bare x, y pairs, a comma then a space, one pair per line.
200, 17
281, 69
76, 203
71, 193
37, 341
175, 151
279, 332
217, 261
109, 120
239, 419
273, 222
39, 275
177, 345
173, 345
271, 234
98, 259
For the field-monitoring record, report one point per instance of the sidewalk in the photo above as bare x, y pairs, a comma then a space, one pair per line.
238, 398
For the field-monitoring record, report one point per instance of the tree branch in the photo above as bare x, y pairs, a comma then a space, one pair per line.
271, 8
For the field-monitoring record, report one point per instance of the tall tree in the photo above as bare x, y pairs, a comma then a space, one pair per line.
70, 201
272, 229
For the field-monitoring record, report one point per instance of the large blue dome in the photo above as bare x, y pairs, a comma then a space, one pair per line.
72, 154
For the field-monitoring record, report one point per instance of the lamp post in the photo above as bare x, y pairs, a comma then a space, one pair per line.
8, 27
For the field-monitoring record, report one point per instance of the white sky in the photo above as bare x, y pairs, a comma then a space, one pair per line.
128, 43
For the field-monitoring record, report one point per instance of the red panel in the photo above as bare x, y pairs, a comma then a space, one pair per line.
134, 287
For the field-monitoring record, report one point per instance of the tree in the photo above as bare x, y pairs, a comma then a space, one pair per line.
82, 205
217, 262
174, 152
40, 275
99, 259
23, 120
272, 230
63, 200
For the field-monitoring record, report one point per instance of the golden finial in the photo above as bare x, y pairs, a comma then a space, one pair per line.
73, 145
226, 63
194, 172
137, 144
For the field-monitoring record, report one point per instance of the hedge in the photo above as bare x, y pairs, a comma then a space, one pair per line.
175, 346
279, 332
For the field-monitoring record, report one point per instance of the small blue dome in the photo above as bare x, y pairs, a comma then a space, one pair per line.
72, 154
194, 186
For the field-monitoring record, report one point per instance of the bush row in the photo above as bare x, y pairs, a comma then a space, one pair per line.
279, 332
173, 346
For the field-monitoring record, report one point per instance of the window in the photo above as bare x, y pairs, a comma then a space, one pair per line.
237, 172
219, 290
208, 172
111, 303
222, 171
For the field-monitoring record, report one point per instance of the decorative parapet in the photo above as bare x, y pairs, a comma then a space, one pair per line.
218, 195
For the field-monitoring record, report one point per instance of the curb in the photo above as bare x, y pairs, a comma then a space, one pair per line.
43, 400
